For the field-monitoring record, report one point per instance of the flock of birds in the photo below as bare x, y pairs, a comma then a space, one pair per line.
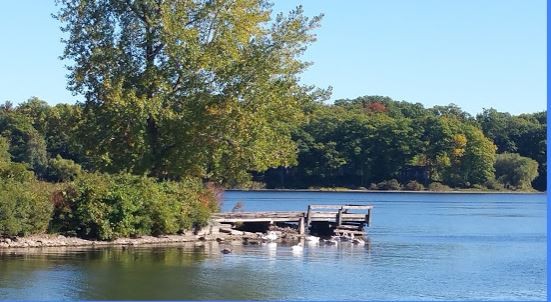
272, 236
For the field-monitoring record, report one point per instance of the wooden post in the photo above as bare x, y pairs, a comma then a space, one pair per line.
308, 216
301, 228
339, 217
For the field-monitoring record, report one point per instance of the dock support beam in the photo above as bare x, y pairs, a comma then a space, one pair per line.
301, 226
309, 215
339, 217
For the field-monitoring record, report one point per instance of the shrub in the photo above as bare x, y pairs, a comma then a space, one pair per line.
252, 185
515, 171
392, 184
107, 207
24, 208
414, 186
24, 205
437, 186
493, 184
373, 187
17, 172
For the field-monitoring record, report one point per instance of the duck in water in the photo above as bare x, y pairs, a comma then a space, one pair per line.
297, 248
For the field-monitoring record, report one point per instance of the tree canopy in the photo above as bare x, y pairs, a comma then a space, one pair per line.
178, 88
371, 140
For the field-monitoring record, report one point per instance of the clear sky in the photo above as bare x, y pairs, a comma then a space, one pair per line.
474, 53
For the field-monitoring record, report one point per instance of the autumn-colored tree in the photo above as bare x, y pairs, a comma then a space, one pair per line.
376, 107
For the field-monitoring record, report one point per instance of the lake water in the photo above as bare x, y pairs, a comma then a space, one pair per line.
420, 247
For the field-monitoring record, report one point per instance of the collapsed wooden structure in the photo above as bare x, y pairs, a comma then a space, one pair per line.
341, 219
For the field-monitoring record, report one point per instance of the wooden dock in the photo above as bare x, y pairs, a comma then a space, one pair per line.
343, 219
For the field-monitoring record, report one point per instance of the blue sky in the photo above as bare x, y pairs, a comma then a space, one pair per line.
474, 53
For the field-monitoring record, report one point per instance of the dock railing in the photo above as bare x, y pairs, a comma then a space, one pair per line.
339, 213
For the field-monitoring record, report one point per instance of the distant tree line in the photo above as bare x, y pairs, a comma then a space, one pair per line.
360, 143
368, 141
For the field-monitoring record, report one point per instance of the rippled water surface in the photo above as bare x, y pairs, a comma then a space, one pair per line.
420, 247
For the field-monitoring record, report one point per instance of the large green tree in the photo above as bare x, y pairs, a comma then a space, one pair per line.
187, 87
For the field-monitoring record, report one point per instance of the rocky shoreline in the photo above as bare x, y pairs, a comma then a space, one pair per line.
219, 234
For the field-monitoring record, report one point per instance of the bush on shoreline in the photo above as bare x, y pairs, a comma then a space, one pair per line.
386, 185
438, 187
98, 206
24, 208
414, 186
24, 205
106, 207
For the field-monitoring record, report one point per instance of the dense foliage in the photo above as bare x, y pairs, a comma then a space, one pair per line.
353, 143
515, 171
108, 207
24, 205
95, 205
368, 141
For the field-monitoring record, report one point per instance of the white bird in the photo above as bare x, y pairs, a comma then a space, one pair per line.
272, 246
272, 236
312, 238
297, 248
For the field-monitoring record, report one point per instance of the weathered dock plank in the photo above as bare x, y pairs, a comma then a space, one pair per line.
342, 217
